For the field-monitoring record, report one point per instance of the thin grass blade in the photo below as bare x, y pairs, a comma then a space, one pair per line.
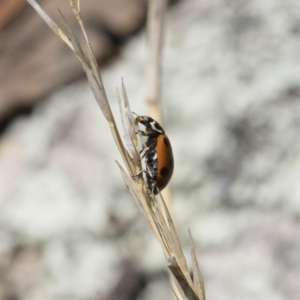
197, 276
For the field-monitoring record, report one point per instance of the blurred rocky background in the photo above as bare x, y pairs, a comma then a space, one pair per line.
231, 97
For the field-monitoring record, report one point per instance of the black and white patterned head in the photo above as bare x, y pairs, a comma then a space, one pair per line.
150, 124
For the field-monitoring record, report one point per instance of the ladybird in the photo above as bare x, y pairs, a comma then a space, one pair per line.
158, 155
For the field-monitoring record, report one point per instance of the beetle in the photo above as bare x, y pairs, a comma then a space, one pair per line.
158, 155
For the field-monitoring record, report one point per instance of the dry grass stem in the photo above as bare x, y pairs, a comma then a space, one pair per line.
155, 25
153, 207
155, 38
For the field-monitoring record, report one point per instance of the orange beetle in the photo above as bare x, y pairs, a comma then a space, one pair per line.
158, 155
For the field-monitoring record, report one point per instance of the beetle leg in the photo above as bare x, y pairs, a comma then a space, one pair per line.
146, 149
143, 133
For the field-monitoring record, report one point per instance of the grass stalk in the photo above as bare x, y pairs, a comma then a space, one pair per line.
153, 207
